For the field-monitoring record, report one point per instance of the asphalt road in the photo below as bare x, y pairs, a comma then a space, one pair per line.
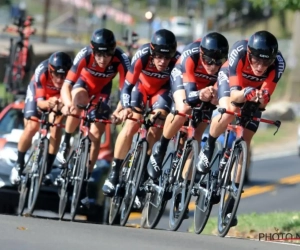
35, 234
277, 190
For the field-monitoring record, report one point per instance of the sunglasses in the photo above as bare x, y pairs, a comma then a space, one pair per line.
211, 61
162, 56
254, 60
103, 54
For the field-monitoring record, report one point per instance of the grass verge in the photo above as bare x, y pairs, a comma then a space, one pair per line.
287, 132
281, 225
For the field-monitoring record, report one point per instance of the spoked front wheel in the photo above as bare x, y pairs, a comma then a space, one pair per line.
79, 175
183, 186
64, 190
38, 169
133, 182
231, 194
116, 201
206, 196
203, 205
25, 184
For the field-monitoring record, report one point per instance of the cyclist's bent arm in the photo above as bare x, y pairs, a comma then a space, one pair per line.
125, 94
42, 103
65, 93
237, 96
119, 107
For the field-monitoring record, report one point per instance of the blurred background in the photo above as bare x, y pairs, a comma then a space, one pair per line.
71, 22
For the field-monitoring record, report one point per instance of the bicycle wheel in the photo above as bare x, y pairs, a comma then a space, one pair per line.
229, 189
182, 187
134, 181
64, 189
156, 201
78, 179
203, 203
38, 169
116, 201
25, 183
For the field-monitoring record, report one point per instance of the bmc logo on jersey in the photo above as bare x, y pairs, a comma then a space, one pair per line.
156, 75
210, 78
79, 55
100, 74
189, 52
253, 78
38, 72
139, 54
281, 65
234, 53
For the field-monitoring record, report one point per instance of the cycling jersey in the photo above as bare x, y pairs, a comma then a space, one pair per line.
95, 78
189, 73
144, 72
40, 87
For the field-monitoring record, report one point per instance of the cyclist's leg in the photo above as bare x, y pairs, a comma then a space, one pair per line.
162, 103
55, 138
80, 95
218, 124
97, 129
124, 140
171, 125
30, 130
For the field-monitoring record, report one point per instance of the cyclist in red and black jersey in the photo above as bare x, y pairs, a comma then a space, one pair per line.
251, 73
193, 80
93, 70
148, 77
44, 92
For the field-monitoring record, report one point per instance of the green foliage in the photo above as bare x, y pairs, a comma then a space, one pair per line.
279, 4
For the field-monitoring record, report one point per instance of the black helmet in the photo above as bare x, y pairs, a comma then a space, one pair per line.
214, 45
103, 40
263, 44
164, 42
60, 62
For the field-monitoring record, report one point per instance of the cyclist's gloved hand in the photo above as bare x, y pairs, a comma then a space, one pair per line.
115, 117
52, 102
125, 113
264, 96
67, 109
206, 94
250, 94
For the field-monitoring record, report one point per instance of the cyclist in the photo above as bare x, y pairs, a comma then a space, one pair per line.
192, 80
149, 76
44, 92
93, 70
251, 73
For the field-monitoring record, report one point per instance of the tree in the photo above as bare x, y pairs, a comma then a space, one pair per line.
293, 90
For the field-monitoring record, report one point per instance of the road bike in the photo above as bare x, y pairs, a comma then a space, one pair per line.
36, 165
225, 184
20, 58
132, 170
75, 171
182, 174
